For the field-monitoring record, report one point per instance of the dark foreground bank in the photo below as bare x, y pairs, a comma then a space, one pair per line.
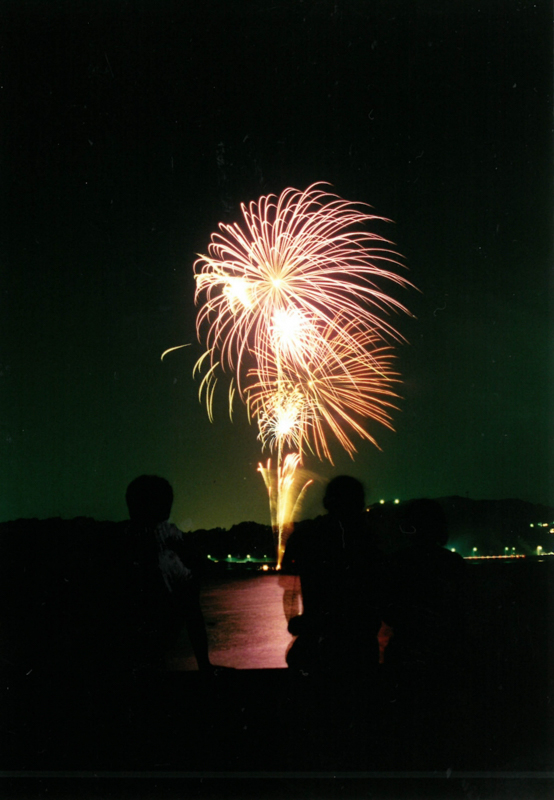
68, 705
496, 715
265, 720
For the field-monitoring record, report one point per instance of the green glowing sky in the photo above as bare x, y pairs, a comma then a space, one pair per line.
130, 130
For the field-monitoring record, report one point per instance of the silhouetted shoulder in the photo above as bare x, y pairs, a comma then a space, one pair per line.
170, 538
429, 558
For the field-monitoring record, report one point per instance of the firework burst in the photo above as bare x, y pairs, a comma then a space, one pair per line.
292, 306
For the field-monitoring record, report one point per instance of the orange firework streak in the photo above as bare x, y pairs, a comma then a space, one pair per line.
292, 307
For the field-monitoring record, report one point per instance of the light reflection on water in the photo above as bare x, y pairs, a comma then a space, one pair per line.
246, 619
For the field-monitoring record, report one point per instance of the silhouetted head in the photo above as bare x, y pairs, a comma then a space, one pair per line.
344, 497
149, 499
425, 521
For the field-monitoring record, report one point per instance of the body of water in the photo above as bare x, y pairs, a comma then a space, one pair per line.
509, 605
246, 620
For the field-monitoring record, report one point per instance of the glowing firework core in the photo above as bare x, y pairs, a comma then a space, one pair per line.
293, 307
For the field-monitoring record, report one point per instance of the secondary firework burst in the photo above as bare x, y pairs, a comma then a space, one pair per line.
292, 306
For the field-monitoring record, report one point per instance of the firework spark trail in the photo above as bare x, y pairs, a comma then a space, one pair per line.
293, 308
286, 487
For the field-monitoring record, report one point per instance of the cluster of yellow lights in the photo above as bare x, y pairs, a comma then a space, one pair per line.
292, 307
480, 558
543, 525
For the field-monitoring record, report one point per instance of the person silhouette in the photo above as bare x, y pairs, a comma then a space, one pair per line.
341, 574
426, 611
164, 576
425, 657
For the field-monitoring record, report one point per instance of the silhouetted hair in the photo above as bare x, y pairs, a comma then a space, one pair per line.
149, 499
425, 520
344, 494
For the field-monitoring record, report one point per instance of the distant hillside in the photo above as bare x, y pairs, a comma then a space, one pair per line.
493, 525
489, 525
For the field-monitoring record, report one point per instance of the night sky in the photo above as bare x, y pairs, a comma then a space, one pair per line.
131, 129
